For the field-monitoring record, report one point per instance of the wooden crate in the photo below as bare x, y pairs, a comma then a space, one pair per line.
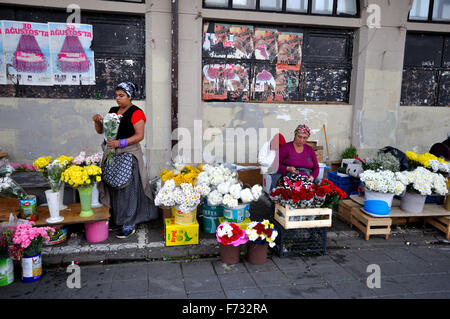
441, 223
370, 225
344, 209
250, 177
283, 215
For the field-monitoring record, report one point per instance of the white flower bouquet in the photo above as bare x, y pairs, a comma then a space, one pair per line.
111, 122
186, 197
10, 188
54, 172
424, 181
439, 166
383, 181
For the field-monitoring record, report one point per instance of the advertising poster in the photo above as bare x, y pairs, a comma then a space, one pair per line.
27, 50
216, 43
265, 43
237, 82
241, 38
289, 50
213, 87
71, 57
287, 81
264, 83
2, 57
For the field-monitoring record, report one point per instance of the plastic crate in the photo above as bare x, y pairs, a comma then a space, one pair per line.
348, 184
434, 199
300, 240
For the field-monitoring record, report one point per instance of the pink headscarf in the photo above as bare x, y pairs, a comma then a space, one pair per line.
303, 128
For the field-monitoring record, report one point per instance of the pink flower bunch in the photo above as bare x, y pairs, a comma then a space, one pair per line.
28, 240
82, 159
23, 167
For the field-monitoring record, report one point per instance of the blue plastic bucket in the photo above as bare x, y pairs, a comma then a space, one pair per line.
236, 215
210, 217
377, 203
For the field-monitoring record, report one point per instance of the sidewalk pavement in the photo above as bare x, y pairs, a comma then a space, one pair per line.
411, 265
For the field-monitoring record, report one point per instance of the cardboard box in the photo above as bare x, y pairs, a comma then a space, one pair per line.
243, 225
177, 235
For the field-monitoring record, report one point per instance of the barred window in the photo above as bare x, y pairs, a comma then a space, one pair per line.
437, 11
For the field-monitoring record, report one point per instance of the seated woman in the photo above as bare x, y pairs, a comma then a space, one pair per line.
297, 157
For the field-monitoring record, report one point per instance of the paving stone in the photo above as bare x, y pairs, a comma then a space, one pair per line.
268, 266
319, 260
354, 289
270, 278
92, 290
165, 269
317, 291
131, 271
165, 286
430, 254
201, 283
391, 286
222, 268
246, 293
345, 257
128, 288
291, 262
375, 256
97, 273
285, 292
434, 295
302, 278
237, 281
333, 273
418, 284
207, 295
195, 268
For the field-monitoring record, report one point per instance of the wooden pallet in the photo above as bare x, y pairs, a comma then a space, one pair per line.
370, 225
344, 209
441, 223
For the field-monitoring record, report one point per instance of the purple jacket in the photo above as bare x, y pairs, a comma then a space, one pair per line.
288, 156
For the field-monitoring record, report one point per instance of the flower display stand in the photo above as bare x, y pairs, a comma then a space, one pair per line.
441, 223
370, 225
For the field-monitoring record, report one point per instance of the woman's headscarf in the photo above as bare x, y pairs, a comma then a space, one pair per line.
302, 128
128, 87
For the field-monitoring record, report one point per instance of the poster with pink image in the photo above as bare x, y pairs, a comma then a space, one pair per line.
71, 56
27, 52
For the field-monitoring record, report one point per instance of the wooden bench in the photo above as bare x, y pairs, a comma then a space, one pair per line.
441, 223
370, 225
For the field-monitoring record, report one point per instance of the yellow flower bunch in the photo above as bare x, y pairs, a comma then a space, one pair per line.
423, 159
82, 176
187, 175
64, 158
42, 162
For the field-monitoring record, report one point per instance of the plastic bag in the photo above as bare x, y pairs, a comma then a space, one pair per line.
12, 223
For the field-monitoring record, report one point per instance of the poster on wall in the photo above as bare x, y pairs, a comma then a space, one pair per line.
264, 83
71, 57
237, 82
27, 51
213, 83
289, 50
287, 81
265, 43
216, 42
2, 57
241, 38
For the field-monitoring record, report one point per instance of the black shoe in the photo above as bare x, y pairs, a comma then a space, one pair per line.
125, 234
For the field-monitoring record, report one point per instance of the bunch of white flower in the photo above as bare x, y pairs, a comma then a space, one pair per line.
187, 198
382, 181
165, 196
225, 230
215, 198
425, 182
230, 201
203, 189
438, 166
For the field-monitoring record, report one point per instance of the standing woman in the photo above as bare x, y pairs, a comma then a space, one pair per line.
132, 204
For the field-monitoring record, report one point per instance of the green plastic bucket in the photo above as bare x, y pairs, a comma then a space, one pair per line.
236, 215
210, 217
6, 271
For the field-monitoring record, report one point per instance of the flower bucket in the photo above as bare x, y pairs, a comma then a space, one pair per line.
210, 217
86, 201
61, 197
257, 253
236, 215
229, 254
412, 202
28, 209
53, 206
95, 197
188, 218
6, 271
31, 268
377, 203
97, 231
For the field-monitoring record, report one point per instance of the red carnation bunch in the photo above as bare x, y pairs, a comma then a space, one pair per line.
231, 234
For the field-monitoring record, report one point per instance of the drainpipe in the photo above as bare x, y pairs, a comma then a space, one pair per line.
174, 78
